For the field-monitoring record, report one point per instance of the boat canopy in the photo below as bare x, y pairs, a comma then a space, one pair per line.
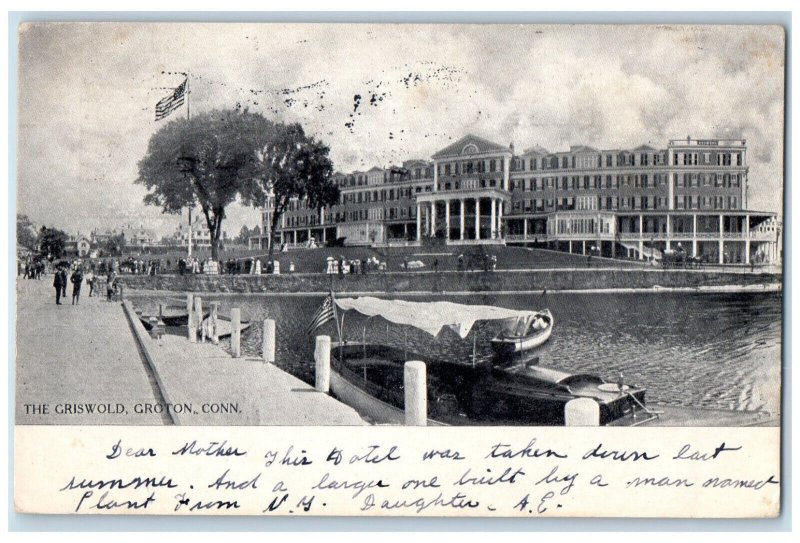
430, 317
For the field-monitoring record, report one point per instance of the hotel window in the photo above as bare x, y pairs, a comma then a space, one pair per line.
675, 158
532, 164
609, 161
563, 163
447, 169
644, 159
733, 202
573, 162
491, 165
735, 180
738, 159
564, 183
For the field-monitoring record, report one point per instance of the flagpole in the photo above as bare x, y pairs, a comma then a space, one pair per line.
187, 96
190, 209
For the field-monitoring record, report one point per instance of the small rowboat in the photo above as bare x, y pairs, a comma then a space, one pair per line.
524, 334
224, 327
169, 320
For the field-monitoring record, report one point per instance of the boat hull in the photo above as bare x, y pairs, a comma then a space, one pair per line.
505, 346
488, 395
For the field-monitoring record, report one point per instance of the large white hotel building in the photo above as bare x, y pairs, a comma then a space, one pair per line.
630, 203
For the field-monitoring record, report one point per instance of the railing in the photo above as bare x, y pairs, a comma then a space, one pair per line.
399, 243
530, 237
466, 241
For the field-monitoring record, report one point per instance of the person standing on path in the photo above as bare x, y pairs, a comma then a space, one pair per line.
90, 281
64, 282
77, 281
57, 284
110, 285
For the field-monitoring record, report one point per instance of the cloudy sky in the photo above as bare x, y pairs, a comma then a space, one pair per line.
86, 97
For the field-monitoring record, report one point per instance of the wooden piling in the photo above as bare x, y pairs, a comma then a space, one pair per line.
322, 363
236, 332
198, 317
416, 393
582, 412
190, 322
212, 323
268, 341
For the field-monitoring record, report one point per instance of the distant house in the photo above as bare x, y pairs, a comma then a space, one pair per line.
79, 246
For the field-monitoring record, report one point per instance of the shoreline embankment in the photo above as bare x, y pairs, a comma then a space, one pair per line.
420, 283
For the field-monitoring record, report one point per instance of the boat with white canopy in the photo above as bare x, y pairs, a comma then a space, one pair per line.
368, 375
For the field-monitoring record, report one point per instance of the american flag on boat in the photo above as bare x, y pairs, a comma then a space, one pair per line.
170, 103
326, 312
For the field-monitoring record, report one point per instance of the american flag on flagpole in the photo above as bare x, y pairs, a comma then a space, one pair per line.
170, 103
325, 313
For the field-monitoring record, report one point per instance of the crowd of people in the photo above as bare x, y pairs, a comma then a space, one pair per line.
77, 273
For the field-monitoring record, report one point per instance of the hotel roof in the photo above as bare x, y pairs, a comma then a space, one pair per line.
481, 146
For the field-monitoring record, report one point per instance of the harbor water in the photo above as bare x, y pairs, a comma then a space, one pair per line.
700, 350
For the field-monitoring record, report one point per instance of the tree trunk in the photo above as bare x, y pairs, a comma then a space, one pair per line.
271, 238
214, 228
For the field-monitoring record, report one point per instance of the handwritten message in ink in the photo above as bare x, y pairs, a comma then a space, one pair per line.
399, 471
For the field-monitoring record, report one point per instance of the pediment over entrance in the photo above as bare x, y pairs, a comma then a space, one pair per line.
470, 145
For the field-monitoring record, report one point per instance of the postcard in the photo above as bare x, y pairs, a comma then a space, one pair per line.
399, 269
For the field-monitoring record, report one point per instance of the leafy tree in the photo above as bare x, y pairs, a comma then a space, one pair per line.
244, 235
26, 234
289, 164
51, 242
115, 244
202, 162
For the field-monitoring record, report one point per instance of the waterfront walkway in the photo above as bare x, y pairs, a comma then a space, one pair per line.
77, 358
87, 356
204, 385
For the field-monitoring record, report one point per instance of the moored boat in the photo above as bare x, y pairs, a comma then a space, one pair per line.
369, 377
523, 334
171, 317
224, 328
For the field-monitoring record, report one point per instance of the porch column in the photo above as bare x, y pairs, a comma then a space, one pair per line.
500, 206
308, 238
295, 237
433, 219
282, 237
669, 231
524, 228
447, 219
419, 222
694, 234
721, 243
324, 236
493, 218
435, 177
461, 218
747, 239
584, 247
570, 246
506, 172
641, 237
477, 218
